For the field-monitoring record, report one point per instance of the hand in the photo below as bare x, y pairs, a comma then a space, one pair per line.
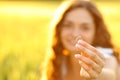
90, 59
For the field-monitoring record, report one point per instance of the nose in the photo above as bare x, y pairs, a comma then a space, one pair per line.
76, 32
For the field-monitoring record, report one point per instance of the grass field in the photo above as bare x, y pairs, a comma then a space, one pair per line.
24, 35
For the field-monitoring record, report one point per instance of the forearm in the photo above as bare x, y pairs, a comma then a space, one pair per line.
107, 74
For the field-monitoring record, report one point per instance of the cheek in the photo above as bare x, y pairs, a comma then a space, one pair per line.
64, 33
89, 36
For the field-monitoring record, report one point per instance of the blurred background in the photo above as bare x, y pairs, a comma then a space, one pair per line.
24, 34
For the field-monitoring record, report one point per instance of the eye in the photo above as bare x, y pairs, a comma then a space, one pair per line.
85, 27
67, 25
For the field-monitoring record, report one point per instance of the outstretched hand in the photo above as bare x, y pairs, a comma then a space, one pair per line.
90, 59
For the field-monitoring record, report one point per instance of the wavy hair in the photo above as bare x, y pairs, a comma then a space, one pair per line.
102, 36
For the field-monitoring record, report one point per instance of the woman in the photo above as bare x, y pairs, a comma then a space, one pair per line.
90, 56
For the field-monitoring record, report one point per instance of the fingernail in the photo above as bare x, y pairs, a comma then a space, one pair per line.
77, 55
80, 41
76, 45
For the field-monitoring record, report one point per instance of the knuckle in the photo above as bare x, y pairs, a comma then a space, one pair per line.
94, 56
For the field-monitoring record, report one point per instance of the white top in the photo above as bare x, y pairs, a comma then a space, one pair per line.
107, 52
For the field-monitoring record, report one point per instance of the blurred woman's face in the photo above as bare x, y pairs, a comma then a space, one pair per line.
77, 22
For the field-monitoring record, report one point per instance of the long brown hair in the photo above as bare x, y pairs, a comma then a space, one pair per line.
102, 36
